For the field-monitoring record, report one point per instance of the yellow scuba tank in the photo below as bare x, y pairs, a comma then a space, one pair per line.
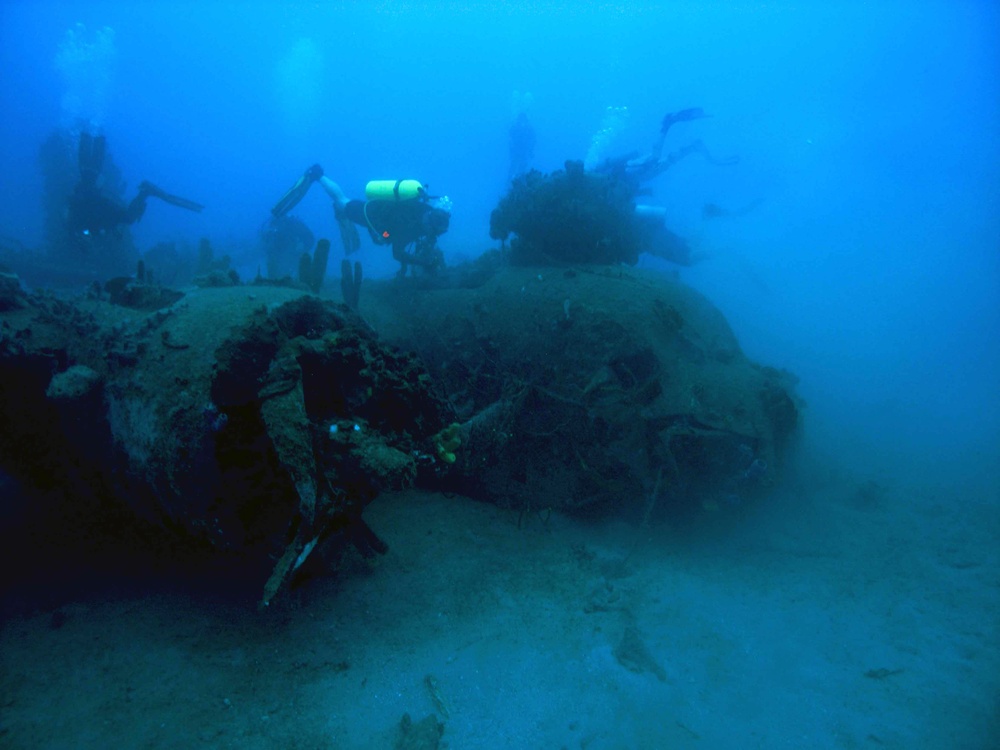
394, 190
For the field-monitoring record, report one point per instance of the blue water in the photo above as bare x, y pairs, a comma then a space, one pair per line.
867, 133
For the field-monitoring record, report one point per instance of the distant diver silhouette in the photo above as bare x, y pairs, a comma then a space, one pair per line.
91, 211
715, 211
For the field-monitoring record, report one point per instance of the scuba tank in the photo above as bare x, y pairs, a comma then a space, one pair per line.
394, 190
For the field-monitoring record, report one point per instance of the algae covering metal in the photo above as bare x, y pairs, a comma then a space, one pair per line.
255, 420
595, 387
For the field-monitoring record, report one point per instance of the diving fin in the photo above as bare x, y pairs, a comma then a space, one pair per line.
297, 192
149, 188
693, 113
84, 148
97, 152
724, 161
90, 157
348, 235
291, 199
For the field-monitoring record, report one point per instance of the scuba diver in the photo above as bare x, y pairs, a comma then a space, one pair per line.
657, 240
92, 212
522, 146
715, 211
640, 168
285, 238
399, 213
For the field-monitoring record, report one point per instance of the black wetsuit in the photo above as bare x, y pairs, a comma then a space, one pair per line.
395, 223
92, 212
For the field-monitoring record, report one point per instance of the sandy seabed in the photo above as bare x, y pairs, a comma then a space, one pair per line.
854, 615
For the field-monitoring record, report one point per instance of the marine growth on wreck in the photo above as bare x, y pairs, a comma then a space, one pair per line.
256, 421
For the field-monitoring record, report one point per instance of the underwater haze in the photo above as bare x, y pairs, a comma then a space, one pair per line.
866, 134
856, 243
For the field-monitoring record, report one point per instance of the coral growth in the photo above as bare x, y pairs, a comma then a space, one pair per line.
312, 269
569, 216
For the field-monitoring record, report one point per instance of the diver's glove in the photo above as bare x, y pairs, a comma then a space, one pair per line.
314, 173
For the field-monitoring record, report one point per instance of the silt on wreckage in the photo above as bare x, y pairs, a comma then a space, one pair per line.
255, 422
